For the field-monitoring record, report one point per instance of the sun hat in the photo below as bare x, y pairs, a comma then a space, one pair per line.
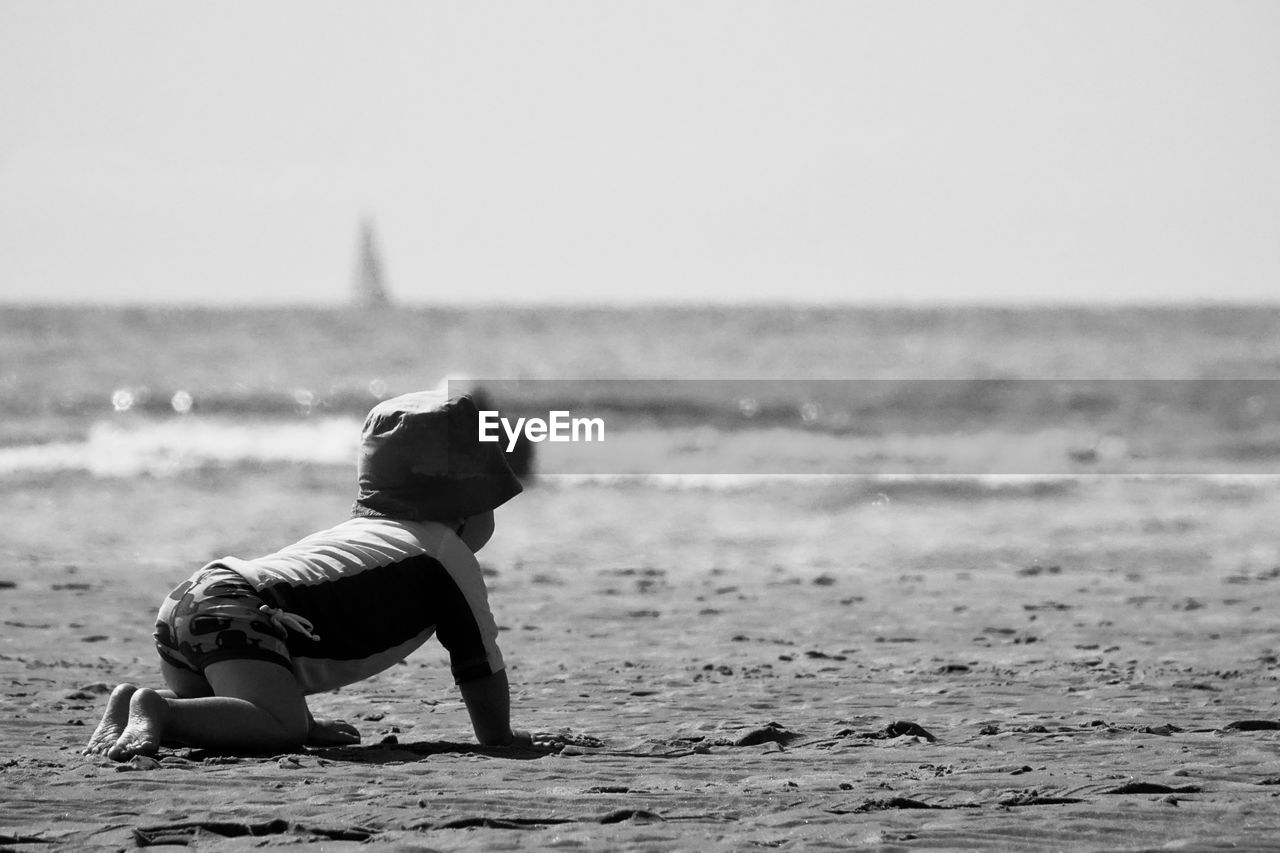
421, 459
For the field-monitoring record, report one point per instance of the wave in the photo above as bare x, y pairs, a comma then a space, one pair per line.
166, 448
131, 445
837, 406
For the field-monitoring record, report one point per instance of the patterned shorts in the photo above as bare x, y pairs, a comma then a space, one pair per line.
214, 617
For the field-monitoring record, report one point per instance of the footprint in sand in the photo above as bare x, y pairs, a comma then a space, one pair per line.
896, 729
1252, 726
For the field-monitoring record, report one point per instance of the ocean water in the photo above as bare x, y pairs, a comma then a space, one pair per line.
765, 390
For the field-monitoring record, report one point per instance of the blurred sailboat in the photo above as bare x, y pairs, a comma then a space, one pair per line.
370, 283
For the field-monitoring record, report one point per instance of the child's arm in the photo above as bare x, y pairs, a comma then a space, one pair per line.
488, 701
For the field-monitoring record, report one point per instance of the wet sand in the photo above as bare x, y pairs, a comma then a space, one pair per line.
1083, 664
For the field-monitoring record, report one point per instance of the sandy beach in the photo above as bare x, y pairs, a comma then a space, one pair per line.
824, 663
926, 359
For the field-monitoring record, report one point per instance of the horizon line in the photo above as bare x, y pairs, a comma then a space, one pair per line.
656, 304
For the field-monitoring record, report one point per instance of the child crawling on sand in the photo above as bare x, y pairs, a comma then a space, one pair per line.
243, 642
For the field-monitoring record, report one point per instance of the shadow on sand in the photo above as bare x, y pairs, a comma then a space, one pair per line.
388, 753
377, 753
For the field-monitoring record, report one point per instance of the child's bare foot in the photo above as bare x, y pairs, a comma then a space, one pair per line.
114, 719
141, 735
332, 733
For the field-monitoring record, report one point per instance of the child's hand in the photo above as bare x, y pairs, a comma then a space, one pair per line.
332, 733
550, 740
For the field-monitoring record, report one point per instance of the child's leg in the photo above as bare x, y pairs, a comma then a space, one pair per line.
257, 706
183, 684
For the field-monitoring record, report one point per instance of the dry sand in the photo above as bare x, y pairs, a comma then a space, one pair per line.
1073, 657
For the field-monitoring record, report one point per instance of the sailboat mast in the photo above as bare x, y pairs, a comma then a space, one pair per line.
370, 285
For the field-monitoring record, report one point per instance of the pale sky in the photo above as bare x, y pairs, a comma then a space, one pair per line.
540, 150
